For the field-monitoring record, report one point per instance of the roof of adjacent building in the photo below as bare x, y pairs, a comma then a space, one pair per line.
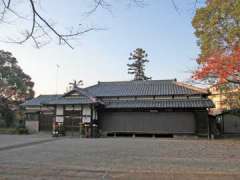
41, 99
143, 88
93, 94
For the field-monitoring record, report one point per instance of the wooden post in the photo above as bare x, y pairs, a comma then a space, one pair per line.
223, 128
72, 128
209, 128
91, 122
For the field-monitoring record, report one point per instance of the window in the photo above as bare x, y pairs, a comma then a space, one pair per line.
69, 108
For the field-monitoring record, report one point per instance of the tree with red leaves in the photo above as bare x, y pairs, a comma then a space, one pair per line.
220, 67
217, 27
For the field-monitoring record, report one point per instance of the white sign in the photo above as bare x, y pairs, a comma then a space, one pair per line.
86, 119
59, 119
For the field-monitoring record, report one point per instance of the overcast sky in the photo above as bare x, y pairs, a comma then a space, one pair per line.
166, 35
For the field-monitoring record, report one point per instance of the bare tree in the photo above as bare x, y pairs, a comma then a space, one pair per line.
41, 30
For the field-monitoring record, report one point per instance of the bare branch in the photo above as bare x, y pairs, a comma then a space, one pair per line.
8, 8
175, 7
40, 23
139, 3
195, 4
8, 4
30, 35
41, 27
98, 4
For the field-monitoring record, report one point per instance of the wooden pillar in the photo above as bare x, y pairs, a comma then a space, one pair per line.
223, 122
91, 121
209, 128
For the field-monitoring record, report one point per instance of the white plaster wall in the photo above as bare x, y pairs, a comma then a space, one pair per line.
32, 126
59, 110
86, 110
59, 114
86, 114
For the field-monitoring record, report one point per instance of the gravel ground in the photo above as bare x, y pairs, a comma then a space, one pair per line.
123, 158
12, 140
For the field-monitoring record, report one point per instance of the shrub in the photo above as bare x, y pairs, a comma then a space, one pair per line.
7, 130
13, 131
2, 123
22, 130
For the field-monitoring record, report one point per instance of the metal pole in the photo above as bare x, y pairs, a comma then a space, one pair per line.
57, 66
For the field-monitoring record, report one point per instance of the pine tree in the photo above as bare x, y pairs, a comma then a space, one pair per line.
75, 84
139, 56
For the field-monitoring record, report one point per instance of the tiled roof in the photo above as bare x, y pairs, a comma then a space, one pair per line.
85, 98
41, 99
167, 103
143, 88
94, 93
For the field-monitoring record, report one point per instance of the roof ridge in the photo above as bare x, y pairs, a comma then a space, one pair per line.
83, 92
132, 100
133, 81
49, 95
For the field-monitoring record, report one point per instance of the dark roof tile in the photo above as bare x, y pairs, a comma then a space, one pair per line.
143, 88
41, 99
130, 88
173, 103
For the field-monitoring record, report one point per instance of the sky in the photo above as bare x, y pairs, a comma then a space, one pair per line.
165, 34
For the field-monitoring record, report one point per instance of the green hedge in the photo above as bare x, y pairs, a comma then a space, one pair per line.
13, 131
22, 131
7, 130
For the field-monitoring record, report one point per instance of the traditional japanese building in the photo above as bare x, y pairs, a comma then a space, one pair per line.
158, 107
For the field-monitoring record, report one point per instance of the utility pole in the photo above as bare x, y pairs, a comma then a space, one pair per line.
57, 69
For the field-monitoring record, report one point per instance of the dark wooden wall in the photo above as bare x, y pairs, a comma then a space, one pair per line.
148, 122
